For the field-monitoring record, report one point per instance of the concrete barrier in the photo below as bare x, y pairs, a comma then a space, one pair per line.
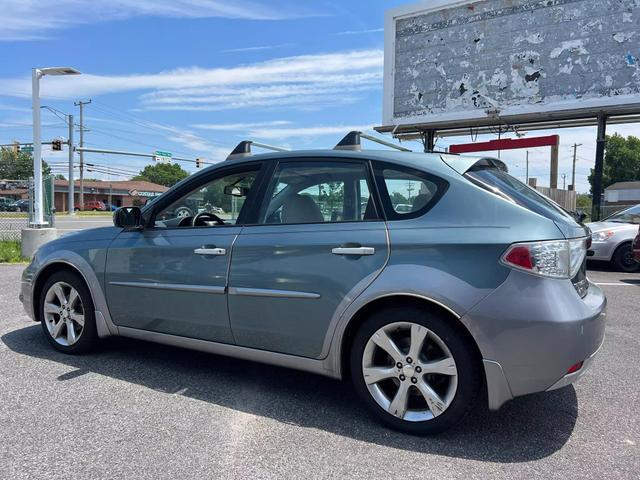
34, 238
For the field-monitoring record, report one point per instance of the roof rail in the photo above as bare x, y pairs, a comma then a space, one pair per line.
351, 141
243, 149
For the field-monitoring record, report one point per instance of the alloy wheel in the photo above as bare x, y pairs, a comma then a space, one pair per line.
63, 313
409, 371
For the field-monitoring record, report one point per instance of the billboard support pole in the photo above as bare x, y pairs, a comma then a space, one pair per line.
599, 167
429, 140
553, 177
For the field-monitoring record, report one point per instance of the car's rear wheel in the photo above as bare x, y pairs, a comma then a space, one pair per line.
67, 313
415, 370
623, 258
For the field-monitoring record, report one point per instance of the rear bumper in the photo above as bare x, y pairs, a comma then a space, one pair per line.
570, 378
535, 329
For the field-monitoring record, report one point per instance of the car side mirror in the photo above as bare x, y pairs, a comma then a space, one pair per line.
582, 216
129, 218
236, 191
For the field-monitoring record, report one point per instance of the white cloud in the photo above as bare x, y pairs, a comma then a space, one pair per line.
298, 132
234, 127
36, 19
361, 32
256, 48
307, 81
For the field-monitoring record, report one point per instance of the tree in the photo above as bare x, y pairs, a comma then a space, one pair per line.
167, 174
621, 161
18, 166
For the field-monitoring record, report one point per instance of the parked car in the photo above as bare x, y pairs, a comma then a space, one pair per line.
5, 204
479, 287
19, 206
636, 247
613, 238
110, 207
92, 205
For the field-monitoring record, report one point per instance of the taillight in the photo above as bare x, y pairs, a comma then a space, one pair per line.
554, 258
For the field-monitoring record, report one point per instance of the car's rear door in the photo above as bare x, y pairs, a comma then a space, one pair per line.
317, 243
171, 277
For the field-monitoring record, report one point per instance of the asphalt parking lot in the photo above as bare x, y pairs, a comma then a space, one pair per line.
138, 410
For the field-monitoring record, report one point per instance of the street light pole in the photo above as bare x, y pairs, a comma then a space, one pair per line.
71, 204
36, 75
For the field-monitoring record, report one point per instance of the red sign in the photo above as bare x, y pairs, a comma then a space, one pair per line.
506, 144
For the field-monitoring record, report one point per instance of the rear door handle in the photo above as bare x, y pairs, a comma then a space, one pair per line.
353, 251
210, 251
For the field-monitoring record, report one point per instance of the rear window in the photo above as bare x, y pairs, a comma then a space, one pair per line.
498, 181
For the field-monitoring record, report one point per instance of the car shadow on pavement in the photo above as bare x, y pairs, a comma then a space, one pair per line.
525, 429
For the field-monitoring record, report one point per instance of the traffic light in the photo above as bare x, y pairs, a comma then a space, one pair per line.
198, 163
56, 145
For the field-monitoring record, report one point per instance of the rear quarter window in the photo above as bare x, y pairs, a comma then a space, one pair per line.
407, 193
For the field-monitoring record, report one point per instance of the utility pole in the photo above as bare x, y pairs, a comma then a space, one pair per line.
81, 104
564, 181
527, 174
70, 205
573, 172
599, 167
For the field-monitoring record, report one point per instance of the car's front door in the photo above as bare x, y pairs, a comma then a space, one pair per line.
317, 243
171, 277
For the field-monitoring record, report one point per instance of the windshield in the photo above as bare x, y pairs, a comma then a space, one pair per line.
504, 185
630, 215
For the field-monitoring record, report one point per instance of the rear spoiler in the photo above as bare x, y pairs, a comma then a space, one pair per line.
462, 164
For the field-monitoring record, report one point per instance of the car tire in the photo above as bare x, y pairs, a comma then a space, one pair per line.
52, 313
422, 416
622, 259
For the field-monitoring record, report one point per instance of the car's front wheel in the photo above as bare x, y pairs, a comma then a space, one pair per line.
415, 370
623, 259
67, 313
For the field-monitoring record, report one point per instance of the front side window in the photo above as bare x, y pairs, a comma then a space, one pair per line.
215, 203
408, 193
318, 192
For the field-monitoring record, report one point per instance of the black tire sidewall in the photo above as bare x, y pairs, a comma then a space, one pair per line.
618, 262
89, 335
467, 363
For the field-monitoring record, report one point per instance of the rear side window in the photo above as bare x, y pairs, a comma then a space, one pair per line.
407, 193
504, 185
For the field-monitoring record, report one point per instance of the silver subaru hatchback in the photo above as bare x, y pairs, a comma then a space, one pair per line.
424, 279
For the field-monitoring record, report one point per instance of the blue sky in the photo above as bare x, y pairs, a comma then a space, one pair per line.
194, 77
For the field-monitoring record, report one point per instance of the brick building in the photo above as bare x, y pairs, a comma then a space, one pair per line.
118, 193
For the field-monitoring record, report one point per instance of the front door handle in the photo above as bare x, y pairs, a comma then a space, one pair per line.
210, 251
353, 251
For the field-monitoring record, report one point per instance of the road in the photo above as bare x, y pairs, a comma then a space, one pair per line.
138, 410
66, 224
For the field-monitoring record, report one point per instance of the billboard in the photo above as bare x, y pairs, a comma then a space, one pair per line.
474, 63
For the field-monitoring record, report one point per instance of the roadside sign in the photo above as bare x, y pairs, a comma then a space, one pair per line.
162, 156
28, 149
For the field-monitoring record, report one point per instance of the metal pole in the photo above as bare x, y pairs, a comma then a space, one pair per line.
429, 140
71, 203
553, 180
527, 174
599, 167
81, 104
37, 148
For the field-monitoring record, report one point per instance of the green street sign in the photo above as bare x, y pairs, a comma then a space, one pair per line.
160, 153
27, 149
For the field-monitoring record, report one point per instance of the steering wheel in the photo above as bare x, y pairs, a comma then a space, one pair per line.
200, 217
